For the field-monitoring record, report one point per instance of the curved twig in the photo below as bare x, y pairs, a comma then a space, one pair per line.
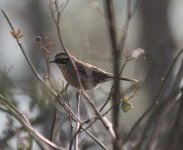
59, 98
155, 101
25, 123
57, 21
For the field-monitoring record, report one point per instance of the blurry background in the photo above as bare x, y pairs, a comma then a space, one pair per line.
156, 27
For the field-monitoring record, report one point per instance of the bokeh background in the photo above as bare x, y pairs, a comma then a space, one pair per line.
156, 27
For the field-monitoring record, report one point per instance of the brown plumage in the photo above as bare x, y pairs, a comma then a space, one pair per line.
90, 75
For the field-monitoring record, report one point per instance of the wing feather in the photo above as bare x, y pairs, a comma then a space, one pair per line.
93, 73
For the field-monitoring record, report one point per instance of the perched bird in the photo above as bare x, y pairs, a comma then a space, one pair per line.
90, 75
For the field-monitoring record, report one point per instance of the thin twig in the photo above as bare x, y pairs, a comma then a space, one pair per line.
126, 26
158, 110
53, 123
130, 97
177, 124
66, 107
24, 121
74, 65
155, 101
70, 117
36, 121
74, 137
112, 87
78, 96
79, 131
26, 57
117, 51
164, 112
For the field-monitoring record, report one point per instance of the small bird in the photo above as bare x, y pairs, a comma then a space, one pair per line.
90, 75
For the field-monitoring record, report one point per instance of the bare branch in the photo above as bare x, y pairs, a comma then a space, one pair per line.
59, 13
54, 93
155, 101
41, 140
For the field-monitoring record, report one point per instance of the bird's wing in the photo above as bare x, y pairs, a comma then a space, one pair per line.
90, 73
93, 73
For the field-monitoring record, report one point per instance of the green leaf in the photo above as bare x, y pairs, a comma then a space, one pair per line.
126, 105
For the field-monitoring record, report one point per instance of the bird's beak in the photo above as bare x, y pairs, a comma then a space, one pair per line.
53, 61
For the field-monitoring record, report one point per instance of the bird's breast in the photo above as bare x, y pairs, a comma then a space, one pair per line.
71, 77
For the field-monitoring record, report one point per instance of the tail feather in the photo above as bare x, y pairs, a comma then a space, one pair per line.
129, 79
126, 79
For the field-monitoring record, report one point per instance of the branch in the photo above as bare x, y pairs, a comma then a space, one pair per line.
25, 123
78, 96
57, 21
54, 93
155, 101
116, 56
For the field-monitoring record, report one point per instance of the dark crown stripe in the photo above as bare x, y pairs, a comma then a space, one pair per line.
61, 55
62, 61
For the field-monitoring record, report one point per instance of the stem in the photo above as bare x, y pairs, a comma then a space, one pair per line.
54, 93
78, 96
116, 56
112, 87
57, 21
41, 140
53, 123
155, 101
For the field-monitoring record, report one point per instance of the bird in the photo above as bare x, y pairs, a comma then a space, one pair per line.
90, 75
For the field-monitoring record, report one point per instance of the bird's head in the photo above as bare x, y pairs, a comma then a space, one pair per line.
61, 59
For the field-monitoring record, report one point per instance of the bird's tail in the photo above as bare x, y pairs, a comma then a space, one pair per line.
127, 79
